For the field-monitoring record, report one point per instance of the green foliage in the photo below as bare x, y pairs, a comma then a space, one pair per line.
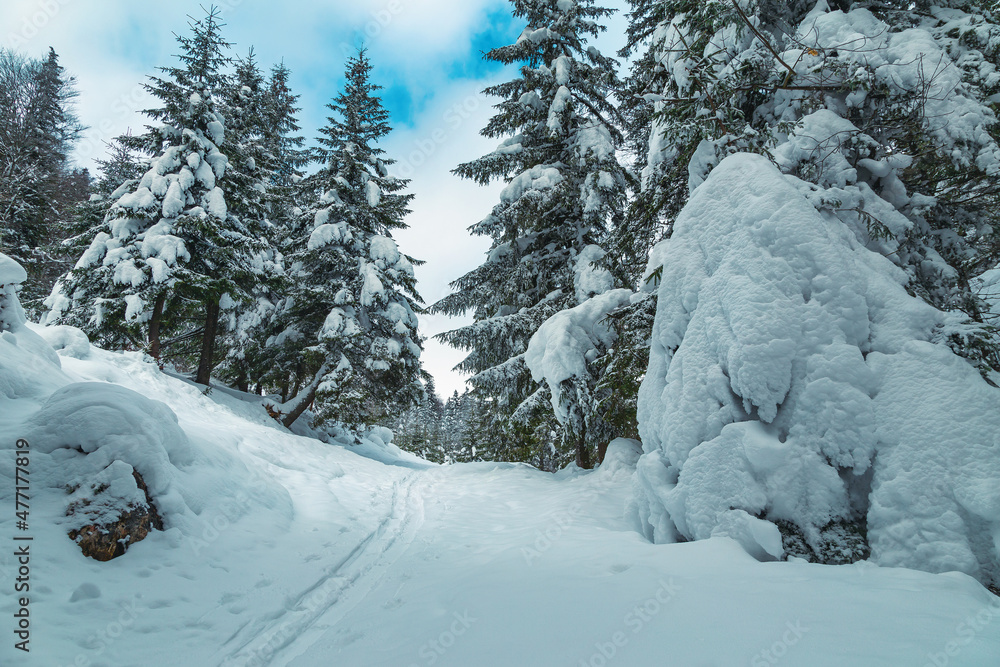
345, 331
38, 186
565, 187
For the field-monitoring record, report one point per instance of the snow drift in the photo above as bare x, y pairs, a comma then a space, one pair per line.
794, 382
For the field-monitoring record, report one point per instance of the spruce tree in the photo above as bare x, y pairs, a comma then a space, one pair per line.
118, 173
38, 186
564, 187
889, 123
348, 329
284, 155
251, 172
171, 251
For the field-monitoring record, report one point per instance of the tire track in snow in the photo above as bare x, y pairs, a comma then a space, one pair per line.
288, 633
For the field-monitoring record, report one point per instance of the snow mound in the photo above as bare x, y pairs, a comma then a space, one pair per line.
111, 423
11, 273
67, 341
29, 367
622, 454
783, 380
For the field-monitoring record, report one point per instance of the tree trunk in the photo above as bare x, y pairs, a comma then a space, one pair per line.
303, 399
582, 454
208, 342
602, 449
154, 327
243, 382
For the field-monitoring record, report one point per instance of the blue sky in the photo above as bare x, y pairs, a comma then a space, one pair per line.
426, 53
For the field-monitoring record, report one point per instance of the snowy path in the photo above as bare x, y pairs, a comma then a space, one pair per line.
341, 587
514, 567
296, 553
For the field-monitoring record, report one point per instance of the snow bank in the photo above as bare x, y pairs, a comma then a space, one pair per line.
622, 455
67, 341
111, 423
11, 273
29, 367
789, 368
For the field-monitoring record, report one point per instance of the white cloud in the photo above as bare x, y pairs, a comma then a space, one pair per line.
113, 45
444, 136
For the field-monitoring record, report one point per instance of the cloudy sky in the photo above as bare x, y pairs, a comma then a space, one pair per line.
427, 54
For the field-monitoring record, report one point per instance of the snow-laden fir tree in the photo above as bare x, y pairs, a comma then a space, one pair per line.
267, 112
798, 398
887, 110
347, 331
171, 250
118, 172
564, 185
38, 187
252, 130
283, 147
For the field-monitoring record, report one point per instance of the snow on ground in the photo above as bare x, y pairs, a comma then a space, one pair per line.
282, 550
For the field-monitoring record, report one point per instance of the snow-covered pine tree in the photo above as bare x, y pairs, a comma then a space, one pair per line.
564, 185
787, 359
171, 248
38, 187
861, 101
283, 147
118, 172
250, 177
348, 329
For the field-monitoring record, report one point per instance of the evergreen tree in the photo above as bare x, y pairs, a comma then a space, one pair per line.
118, 173
867, 117
251, 172
348, 330
38, 186
564, 186
268, 108
171, 250
284, 155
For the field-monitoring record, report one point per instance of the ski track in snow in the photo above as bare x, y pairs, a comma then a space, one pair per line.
322, 605
327, 557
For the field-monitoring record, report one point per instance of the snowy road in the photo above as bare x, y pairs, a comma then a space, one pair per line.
287, 552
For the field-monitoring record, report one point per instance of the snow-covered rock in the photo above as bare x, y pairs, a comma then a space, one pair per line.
793, 380
111, 423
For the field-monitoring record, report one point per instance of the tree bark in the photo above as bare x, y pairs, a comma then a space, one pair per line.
208, 342
154, 327
243, 382
303, 399
582, 453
